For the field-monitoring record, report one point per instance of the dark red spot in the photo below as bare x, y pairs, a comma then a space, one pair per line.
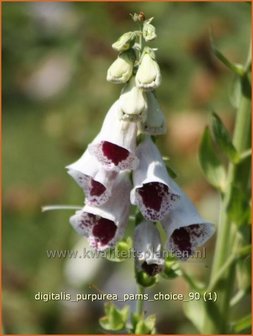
152, 194
104, 230
96, 189
114, 152
151, 269
182, 239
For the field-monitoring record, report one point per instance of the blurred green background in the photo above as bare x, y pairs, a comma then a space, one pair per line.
55, 96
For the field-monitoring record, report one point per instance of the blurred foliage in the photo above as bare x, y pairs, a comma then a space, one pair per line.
55, 57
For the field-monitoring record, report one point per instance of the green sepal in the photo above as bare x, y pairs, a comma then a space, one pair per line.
143, 326
114, 319
145, 280
121, 251
171, 269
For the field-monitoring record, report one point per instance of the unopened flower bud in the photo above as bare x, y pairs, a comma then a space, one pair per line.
148, 76
149, 32
155, 122
121, 69
132, 102
125, 42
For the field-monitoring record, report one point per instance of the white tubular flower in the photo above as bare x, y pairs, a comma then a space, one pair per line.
114, 147
122, 68
125, 42
148, 76
106, 224
186, 229
95, 181
155, 123
132, 102
148, 248
148, 31
153, 190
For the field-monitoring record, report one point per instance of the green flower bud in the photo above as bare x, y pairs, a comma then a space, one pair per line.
121, 69
125, 42
155, 122
132, 101
146, 280
148, 76
148, 31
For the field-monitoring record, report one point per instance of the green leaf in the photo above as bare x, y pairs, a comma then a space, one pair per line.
222, 137
138, 217
238, 208
243, 273
211, 166
242, 325
114, 319
201, 313
236, 68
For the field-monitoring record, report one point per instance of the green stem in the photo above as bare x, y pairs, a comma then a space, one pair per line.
140, 301
227, 237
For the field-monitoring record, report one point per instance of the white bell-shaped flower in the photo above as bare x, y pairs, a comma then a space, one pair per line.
148, 248
105, 225
148, 76
114, 147
121, 69
95, 181
149, 31
186, 229
153, 190
155, 123
125, 42
132, 102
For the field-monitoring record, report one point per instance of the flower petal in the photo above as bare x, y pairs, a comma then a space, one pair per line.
147, 247
106, 224
186, 229
153, 190
132, 102
95, 181
115, 145
155, 122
